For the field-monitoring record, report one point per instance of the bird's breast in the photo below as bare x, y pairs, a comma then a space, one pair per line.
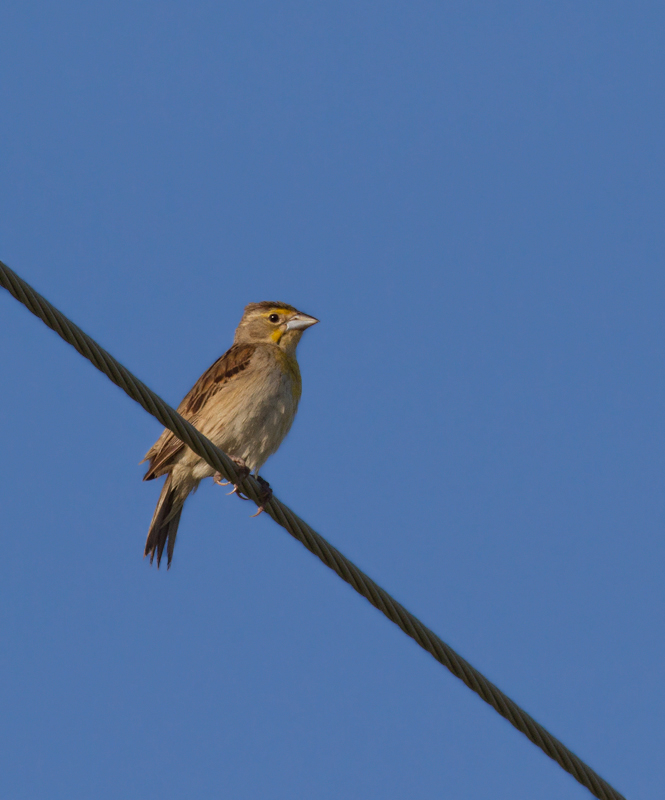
260, 409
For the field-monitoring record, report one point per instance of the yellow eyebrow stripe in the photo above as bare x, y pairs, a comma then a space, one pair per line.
276, 310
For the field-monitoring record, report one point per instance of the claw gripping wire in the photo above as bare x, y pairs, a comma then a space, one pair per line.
307, 536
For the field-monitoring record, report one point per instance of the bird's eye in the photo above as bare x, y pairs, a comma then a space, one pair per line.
274, 317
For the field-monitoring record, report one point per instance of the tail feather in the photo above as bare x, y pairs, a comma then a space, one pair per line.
164, 525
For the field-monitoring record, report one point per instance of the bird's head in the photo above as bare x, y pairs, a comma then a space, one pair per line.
273, 323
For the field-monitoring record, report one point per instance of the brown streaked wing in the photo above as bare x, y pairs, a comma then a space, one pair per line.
231, 363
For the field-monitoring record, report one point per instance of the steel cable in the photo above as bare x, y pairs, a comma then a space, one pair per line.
313, 541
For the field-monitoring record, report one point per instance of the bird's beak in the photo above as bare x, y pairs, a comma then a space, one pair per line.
300, 321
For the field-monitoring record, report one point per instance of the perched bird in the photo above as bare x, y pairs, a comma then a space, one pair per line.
245, 404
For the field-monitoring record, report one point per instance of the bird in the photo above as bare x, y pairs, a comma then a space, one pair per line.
245, 403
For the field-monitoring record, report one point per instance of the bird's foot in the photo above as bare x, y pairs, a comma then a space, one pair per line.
264, 495
243, 472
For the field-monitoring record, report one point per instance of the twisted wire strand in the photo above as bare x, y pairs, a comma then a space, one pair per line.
301, 531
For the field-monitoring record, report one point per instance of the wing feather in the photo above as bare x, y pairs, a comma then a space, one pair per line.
162, 453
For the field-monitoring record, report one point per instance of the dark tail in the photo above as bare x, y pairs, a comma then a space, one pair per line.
164, 525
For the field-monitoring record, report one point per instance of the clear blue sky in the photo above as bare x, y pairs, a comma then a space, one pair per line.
470, 197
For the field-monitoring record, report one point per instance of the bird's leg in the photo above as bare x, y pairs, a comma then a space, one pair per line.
264, 495
243, 472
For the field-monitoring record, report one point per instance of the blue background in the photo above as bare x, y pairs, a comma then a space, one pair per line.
470, 198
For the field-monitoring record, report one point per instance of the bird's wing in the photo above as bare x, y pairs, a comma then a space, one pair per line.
162, 453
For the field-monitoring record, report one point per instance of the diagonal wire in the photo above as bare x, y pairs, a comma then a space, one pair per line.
301, 531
